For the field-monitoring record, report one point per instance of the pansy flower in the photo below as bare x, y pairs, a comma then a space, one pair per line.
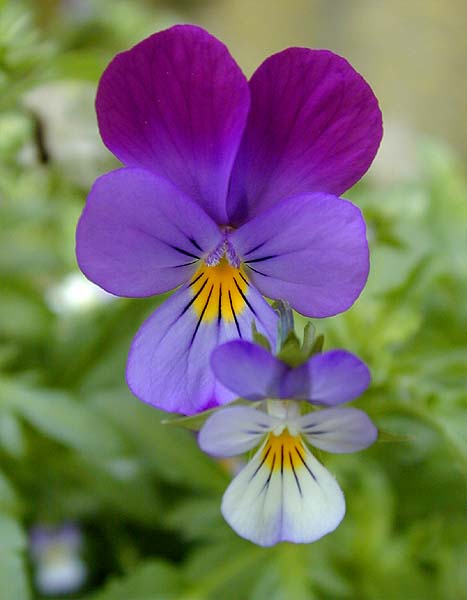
284, 493
229, 192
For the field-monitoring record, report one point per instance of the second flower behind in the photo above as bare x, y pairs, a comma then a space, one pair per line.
284, 493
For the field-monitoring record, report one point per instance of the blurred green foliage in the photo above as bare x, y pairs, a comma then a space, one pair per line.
76, 446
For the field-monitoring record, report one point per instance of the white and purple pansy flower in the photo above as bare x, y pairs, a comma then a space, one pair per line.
229, 192
284, 493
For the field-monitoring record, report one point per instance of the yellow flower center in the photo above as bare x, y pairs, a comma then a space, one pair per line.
283, 451
219, 292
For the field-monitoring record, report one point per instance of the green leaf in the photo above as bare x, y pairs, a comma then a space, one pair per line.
291, 352
12, 537
309, 334
153, 580
287, 575
58, 415
317, 345
173, 453
193, 423
259, 338
11, 434
8, 498
13, 577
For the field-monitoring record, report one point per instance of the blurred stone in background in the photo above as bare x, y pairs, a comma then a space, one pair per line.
414, 54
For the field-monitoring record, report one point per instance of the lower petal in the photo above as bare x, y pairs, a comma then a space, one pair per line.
169, 361
283, 494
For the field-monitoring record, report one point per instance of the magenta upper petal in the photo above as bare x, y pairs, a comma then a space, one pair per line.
169, 361
176, 104
248, 370
310, 250
138, 235
314, 126
331, 378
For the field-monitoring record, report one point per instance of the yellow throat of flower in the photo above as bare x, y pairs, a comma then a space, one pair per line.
283, 451
219, 292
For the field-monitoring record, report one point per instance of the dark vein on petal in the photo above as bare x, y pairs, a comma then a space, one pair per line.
282, 460
194, 298
256, 271
317, 432
186, 265
196, 279
295, 474
305, 465
219, 309
195, 244
262, 462
255, 248
185, 252
202, 314
266, 483
244, 279
244, 297
234, 315
257, 260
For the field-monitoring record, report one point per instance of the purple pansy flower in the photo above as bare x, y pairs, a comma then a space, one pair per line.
230, 191
284, 493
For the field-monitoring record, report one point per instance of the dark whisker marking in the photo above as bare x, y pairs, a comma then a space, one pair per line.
219, 308
202, 314
255, 248
305, 465
252, 432
185, 252
194, 298
195, 244
196, 278
186, 265
244, 297
257, 260
256, 271
282, 460
262, 462
266, 483
244, 279
234, 316
295, 474
317, 432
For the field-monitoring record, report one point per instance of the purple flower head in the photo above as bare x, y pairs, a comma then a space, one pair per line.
230, 193
284, 493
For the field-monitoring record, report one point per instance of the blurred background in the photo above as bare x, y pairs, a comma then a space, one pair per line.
98, 500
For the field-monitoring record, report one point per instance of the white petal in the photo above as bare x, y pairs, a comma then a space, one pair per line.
283, 494
235, 430
339, 430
